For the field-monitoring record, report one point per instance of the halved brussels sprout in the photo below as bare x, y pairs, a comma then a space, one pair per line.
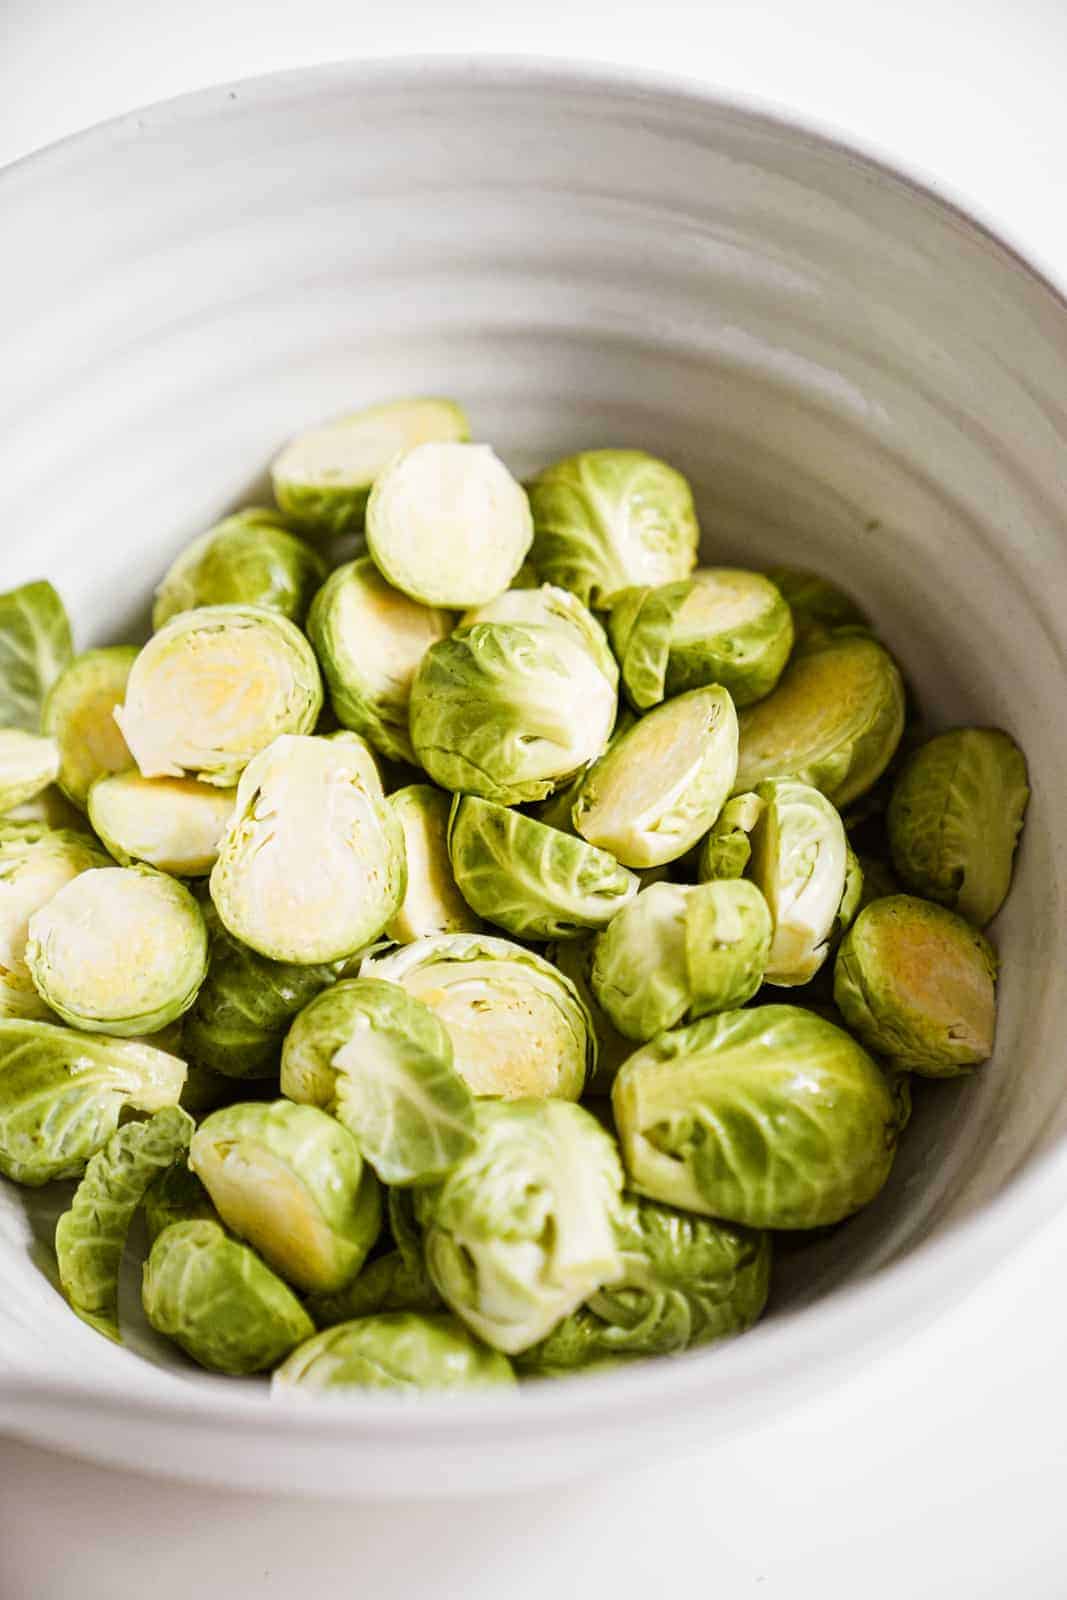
550, 607
248, 559
29, 762
818, 606
771, 1117
448, 524
727, 847
533, 880
35, 863
607, 519
216, 686
509, 710
120, 950
432, 901
61, 1094
686, 1281
656, 790
799, 860
291, 1181
174, 824
176, 1195
35, 646
522, 1231
323, 477
216, 1299
916, 983
312, 865
834, 720
954, 819
81, 714
369, 639
517, 1025
388, 1283
401, 1350
574, 958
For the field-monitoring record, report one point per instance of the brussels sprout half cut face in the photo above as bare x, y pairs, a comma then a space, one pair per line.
35, 863
799, 861
248, 559
432, 901
29, 762
175, 824
400, 1350
80, 713
35, 646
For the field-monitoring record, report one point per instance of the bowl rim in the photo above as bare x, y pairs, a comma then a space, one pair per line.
783, 1362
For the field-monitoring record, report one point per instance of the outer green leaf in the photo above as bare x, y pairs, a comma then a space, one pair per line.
398, 1350
727, 847
35, 646
250, 558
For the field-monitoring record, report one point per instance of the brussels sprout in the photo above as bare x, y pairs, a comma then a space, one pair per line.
216, 1299
174, 824
653, 794
834, 720
382, 1063
954, 819
521, 1232
35, 862
61, 1094
607, 519
723, 625
51, 807
81, 714
799, 860
120, 950
91, 1236
509, 710
214, 687
574, 958
517, 1025
248, 559
388, 1283
448, 524
727, 848
771, 1117
323, 477
549, 607
35, 646
532, 880
432, 902
29, 762
291, 1181
818, 606
686, 1281
176, 1195
916, 983
311, 867
395, 1350
370, 639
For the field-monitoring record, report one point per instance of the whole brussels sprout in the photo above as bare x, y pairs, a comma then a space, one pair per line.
432, 901
81, 714
311, 867
954, 819
176, 1195
608, 519
119, 950
249, 559
29, 762
574, 958
771, 1117
916, 983
174, 824
727, 847
35, 863
216, 1299
214, 687
660, 787
448, 525
547, 606
799, 860
818, 606
399, 1350
522, 1231
517, 1025
35, 646
291, 1181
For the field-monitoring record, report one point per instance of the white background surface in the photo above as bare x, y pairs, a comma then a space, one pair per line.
941, 1472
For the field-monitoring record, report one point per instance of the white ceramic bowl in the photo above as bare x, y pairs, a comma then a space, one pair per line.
855, 377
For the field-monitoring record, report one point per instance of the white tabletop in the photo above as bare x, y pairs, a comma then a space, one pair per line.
937, 1473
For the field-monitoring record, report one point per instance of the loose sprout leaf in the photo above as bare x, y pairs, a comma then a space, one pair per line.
399, 1350
35, 646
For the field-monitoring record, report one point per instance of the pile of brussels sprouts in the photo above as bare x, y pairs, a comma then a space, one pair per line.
405, 927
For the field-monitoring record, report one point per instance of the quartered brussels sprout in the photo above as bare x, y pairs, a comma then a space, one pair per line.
954, 819
214, 687
35, 863
174, 824
510, 710
818, 606
248, 559
916, 983
81, 714
176, 1195
323, 477
686, 1281
291, 1181
834, 720
91, 1235
369, 639
608, 519
216, 1299
771, 1117
574, 958
120, 950
35, 646
400, 1350
448, 524
533, 880
522, 1231
659, 787
61, 1094
29, 762
432, 901
517, 1025
727, 847
312, 865
799, 861
723, 625
547, 606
